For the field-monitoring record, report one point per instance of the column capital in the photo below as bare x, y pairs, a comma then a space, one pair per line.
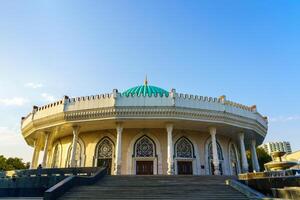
75, 129
46, 132
212, 130
169, 127
119, 127
241, 135
253, 142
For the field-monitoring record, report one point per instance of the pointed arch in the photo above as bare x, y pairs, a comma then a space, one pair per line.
186, 157
184, 148
132, 159
56, 155
79, 156
105, 154
105, 148
234, 163
209, 157
219, 149
144, 147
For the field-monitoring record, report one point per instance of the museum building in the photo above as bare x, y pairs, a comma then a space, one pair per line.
146, 130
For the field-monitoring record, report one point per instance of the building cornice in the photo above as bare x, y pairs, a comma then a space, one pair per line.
151, 113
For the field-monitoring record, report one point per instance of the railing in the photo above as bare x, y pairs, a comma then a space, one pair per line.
63, 186
257, 175
246, 190
88, 171
34, 183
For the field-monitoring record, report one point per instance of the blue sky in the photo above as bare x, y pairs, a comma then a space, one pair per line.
247, 50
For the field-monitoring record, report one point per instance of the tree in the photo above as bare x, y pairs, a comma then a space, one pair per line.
263, 157
12, 163
2, 163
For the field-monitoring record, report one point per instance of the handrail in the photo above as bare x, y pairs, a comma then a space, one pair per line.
246, 190
63, 186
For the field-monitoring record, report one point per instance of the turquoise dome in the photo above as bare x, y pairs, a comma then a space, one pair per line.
145, 90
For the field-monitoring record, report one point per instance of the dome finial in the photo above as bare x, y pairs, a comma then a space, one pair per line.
146, 80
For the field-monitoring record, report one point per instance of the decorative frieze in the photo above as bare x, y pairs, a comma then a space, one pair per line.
175, 106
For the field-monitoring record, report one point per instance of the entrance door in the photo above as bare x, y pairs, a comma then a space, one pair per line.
144, 167
105, 163
185, 167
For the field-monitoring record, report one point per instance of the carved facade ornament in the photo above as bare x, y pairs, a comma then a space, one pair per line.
144, 148
184, 148
105, 149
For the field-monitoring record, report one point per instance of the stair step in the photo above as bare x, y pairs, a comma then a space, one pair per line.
156, 187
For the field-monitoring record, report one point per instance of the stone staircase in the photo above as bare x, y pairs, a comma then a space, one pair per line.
156, 187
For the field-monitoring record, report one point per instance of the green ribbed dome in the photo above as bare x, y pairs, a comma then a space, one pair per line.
145, 90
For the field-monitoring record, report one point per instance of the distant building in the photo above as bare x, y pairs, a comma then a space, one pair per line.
276, 146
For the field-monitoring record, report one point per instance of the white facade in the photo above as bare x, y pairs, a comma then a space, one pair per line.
202, 135
270, 147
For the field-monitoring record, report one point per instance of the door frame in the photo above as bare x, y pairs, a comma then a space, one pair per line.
143, 161
154, 159
187, 160
194, 164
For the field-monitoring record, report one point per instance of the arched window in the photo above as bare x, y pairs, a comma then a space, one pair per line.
233, 160
144, 147
78, 154
105, 154
105, 149
184, 148
56, 157
210, 158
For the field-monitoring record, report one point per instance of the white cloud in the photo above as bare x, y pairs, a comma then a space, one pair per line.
15, 101
285, 118
34, 85
9, 136
13, 144
48, 97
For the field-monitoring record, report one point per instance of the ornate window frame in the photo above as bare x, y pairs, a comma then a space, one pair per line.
195, 154
102, 139
132, 159
148, 140
191, 146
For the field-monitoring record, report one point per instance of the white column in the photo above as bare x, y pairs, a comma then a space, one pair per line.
170, 160
118, 152
216, 162
46, 145
35, 156
255, 163
74, 146
243, 153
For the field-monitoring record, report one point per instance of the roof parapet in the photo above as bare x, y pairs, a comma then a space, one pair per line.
253, 108
222, 99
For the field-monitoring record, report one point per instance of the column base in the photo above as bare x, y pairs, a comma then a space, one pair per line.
217, 169
171, 170
245, 169
117, 170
